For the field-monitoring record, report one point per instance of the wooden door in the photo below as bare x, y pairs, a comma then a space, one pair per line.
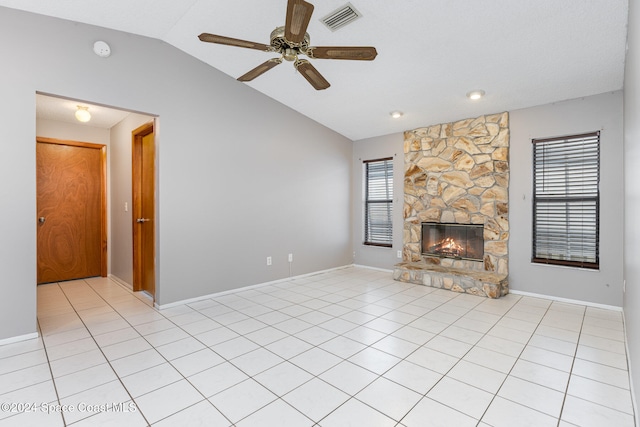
71, 210
144, 188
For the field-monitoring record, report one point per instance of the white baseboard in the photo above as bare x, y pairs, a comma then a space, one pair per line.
567, 300
386, 270
631, 387
244, 288
19, 338
121, 282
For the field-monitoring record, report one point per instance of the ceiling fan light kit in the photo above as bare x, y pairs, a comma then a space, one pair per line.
291, 41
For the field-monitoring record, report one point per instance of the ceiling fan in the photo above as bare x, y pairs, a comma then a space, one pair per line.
291, 41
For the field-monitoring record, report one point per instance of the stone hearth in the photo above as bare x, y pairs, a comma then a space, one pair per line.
458, 173
481, 283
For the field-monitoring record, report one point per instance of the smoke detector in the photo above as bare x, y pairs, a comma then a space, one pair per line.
101, 49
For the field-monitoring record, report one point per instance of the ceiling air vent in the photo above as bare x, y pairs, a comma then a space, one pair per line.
340, 17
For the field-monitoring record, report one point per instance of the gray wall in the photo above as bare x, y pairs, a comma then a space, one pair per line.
241, 177
120, 231
370, 149
602, 112
632, 194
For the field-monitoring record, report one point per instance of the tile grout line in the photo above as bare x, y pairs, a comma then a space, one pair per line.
387, 335
459, 360
403, 359
161, 355
362, 287
318, 346
44, 345
514, 364
573, 361
100, 348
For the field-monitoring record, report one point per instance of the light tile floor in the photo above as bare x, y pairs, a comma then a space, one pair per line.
350, 347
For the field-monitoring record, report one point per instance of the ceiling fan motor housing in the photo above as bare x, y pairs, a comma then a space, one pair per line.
288, 49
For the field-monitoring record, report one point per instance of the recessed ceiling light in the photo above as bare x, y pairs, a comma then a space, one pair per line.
396, 114
474, 95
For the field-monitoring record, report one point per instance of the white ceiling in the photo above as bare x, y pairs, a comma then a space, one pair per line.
430, 53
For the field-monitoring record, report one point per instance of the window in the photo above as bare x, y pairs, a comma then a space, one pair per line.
378, 202
566, 200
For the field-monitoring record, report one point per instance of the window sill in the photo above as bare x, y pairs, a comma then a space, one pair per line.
565, 266
378, 245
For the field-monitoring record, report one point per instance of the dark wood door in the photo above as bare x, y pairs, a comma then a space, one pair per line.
71, 239
144, 209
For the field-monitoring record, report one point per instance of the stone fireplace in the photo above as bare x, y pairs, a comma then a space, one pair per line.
457, 174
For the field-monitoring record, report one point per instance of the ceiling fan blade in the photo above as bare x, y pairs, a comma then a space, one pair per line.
363, 53
212, 38
298, 17
312, 75
260, 69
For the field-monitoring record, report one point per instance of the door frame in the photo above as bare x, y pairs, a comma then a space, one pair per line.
136, 192
103, 190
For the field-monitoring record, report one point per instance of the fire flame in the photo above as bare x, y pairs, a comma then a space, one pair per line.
450, 245
447, 246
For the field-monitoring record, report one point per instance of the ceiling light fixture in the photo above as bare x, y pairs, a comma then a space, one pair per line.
474, 95
82, 114
396, 114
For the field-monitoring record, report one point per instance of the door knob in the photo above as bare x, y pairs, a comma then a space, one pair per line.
41, 220
143, 220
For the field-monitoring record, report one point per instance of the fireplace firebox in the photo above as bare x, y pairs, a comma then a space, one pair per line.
459, 241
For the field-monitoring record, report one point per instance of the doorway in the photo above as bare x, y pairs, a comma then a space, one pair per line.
71, 210
144, 189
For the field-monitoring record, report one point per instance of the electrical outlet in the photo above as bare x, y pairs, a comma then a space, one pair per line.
290, 257
399, 255
268, 260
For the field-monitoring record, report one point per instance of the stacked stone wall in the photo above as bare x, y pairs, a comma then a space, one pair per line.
459, 173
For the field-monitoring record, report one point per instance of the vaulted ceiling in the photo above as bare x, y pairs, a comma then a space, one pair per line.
430, 53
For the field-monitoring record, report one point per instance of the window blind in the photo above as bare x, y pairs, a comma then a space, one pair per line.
566, 200
378, 219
